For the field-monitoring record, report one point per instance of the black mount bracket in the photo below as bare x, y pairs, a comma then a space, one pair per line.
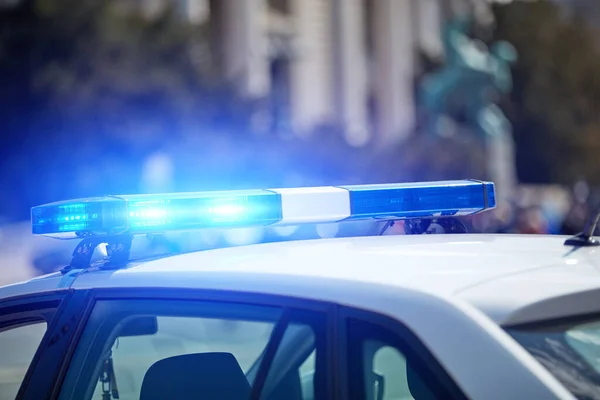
118, 249
422, 225
452, 225
419, 226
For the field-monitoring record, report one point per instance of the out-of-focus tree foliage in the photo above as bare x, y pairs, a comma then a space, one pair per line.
556, 99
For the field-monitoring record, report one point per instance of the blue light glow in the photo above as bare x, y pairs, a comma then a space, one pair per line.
100, 215
203, 210
157, 213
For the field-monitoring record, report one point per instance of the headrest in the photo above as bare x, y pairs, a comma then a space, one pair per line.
192, 376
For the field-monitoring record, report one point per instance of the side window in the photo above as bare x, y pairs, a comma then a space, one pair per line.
299, 343
22, 328
389, 364
384, 365
151, 349
18, 345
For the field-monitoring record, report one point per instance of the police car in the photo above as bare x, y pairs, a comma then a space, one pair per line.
423, 316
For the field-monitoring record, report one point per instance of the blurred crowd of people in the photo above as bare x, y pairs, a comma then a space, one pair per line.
542, 217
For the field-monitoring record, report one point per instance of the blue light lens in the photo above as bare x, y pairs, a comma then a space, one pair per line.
202, 210
419, 200
98, 216
155, 213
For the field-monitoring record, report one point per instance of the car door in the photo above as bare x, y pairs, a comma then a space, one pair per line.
155, 343
25, 323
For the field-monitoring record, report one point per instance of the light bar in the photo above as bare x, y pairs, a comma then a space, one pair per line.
155, 213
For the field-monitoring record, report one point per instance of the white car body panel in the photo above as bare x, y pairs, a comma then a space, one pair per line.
460, 289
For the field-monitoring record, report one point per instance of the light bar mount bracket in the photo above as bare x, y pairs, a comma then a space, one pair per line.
118, 249
421, 226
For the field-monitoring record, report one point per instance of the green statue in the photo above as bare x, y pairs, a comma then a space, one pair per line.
471, 81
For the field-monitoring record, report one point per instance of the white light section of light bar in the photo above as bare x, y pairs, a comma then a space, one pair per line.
313, 204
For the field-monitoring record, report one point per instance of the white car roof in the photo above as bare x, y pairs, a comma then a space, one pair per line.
511, 278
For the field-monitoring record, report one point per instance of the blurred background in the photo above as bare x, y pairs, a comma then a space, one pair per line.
141, 96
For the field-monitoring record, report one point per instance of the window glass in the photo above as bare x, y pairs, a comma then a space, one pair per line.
389, 363
151, 349
295, 378
383, 366
18, 346
133, 356
570, 352
585, 341
307, 376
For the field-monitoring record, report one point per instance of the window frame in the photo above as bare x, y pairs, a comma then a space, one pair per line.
73, 308
22, 310
287, 304
402, 337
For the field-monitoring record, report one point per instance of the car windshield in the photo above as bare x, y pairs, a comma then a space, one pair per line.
571, 352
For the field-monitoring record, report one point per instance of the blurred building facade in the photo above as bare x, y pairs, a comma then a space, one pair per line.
350, 63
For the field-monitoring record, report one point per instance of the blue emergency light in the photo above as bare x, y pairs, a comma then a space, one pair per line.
155, 213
